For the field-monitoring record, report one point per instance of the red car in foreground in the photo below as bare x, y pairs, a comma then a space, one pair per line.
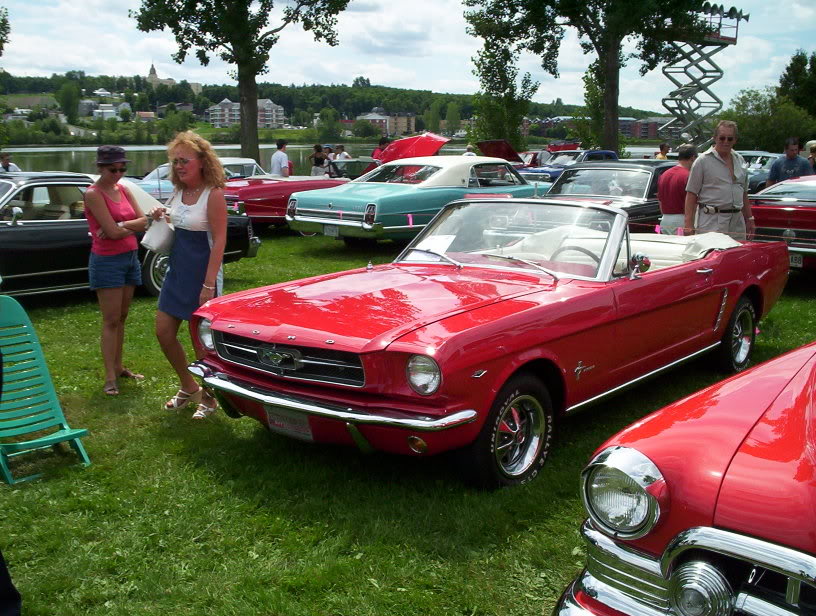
706, 507
500, 315
787, 211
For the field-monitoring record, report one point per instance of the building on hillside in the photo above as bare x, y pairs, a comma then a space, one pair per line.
146, 116
105, 111
226, 113
390, 124
646, 128
154, 80
122, 107
626, 126
102, 93
178, 106
86, 107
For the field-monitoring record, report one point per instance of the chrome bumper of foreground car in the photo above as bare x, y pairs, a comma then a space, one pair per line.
224, 384
637, 584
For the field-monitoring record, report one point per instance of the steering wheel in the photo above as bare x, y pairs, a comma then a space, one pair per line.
580, 249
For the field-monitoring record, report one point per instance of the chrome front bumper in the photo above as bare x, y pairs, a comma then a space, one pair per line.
222, 384
637, 584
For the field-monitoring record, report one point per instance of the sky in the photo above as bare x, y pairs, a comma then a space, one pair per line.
421, 44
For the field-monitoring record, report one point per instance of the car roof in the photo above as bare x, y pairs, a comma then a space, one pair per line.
752, 152
445, 162
623, 164
25, 177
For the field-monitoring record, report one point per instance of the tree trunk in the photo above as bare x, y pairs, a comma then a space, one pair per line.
610, 73
248, 93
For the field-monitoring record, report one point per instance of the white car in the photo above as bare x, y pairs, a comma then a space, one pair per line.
158, 185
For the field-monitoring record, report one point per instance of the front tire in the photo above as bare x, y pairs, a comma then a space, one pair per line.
154, 270
734, 352
516, 437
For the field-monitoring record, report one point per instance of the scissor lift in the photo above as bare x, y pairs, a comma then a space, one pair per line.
692, 102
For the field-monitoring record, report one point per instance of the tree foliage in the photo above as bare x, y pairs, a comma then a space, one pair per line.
68, 98
765, 120
240, 33
364, 128
539, 26
452, 118
502, 102
798, 82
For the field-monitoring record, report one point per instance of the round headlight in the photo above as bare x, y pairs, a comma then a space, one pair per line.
424, 375
620, 492
205, 334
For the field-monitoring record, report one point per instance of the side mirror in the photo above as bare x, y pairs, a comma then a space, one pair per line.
16, 214
639, 263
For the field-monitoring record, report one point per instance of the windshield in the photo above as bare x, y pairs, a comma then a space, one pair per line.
562, 240
564, 159
603, 182
401, 174
794, 190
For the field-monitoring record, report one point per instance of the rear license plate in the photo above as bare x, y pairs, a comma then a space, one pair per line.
288, 423
331, 230
795, 260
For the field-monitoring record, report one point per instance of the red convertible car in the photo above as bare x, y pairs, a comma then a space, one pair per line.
706, 507
787, 211
500, 315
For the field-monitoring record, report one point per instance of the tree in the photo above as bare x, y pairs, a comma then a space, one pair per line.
328, 126
452, 118
240, 36
538, 26
361, 82
431, 116
798, 82
502, 103
5, 29
588, 123
765, 119
125, 114
68, 98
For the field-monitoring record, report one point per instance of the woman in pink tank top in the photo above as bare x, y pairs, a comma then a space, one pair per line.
113, 268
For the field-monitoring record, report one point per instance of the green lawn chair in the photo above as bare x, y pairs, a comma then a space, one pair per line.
28, 402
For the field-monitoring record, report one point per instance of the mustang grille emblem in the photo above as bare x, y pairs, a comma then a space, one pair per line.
285, 359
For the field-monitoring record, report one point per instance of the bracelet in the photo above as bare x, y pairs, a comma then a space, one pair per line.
210, 288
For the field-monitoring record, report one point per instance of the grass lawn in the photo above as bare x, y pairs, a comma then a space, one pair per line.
221, 517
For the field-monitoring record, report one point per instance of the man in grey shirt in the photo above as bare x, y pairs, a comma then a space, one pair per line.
791, 165
279, 164
717, 189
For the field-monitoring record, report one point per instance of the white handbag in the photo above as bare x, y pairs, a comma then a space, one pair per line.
159, 237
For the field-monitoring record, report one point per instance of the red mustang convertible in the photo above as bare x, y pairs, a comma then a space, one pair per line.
706, 507
499, 316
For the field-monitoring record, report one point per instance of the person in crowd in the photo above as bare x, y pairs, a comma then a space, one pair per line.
789, 166
383, 143
671, 190
663, 153
717, 189
469, 151
280, 161
10, 601
812, 157
114, 270
319, 160
341, 153
329, 152
198, 212
6, 164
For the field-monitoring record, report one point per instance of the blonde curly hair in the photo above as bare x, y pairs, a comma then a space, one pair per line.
212, 172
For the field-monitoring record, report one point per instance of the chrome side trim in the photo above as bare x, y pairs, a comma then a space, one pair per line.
755, 606
381, 417
64, 271
637, 380
75, 287
786, 561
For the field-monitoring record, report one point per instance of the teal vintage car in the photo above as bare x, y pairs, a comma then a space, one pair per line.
397, 199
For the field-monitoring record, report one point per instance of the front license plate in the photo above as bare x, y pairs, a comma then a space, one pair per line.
795, 260
288, 423
331, 230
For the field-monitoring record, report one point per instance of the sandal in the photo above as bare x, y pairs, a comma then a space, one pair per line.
183, 398
129, 374
111, 388
204, 410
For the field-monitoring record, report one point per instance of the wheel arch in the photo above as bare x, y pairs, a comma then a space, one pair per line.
754, 294
546, 371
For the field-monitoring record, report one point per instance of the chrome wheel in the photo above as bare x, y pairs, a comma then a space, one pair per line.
742, 336
154, 271
519, 435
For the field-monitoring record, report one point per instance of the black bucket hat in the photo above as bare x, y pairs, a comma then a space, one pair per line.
110, 154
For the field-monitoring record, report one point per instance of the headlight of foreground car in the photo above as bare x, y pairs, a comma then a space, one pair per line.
424, 375
205, 334
624, 492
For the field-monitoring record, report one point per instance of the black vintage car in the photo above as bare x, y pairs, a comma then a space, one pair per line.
44, 239
627, 184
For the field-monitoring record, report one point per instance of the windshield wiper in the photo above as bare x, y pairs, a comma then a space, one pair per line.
442, 256
525, 261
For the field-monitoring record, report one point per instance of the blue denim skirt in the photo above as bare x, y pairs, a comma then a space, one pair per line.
113, 271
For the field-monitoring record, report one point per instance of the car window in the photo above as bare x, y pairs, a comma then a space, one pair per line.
401, 174
51, 202
494, 174
603, 182
563, 159
793, 190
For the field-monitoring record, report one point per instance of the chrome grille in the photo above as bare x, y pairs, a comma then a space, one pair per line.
330, 214
289, 361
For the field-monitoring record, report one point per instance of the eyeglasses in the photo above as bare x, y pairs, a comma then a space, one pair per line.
117, 169
725, 138
180, 161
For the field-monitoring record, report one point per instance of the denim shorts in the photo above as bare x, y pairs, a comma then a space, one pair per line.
113, 271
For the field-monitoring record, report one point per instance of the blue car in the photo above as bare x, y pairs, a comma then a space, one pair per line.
563, 159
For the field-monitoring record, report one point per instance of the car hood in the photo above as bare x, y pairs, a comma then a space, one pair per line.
364, 310
774, 470
426, 144
500, 148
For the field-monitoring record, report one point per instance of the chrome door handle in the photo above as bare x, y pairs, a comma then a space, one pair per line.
706, 270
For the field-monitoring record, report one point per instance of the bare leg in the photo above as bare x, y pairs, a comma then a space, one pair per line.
127, 297
110, 303
167, 327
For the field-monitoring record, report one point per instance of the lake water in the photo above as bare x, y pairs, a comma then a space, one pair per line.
145, 158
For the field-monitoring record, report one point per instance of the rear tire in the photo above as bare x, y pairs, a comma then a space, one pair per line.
154, 269
734, 352
516, 437
359, 242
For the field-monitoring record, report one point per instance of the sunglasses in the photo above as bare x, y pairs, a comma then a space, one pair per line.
117, 169
725, 138
180, 161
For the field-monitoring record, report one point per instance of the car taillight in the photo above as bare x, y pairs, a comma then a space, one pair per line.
236, 206
370, 213
291, 209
